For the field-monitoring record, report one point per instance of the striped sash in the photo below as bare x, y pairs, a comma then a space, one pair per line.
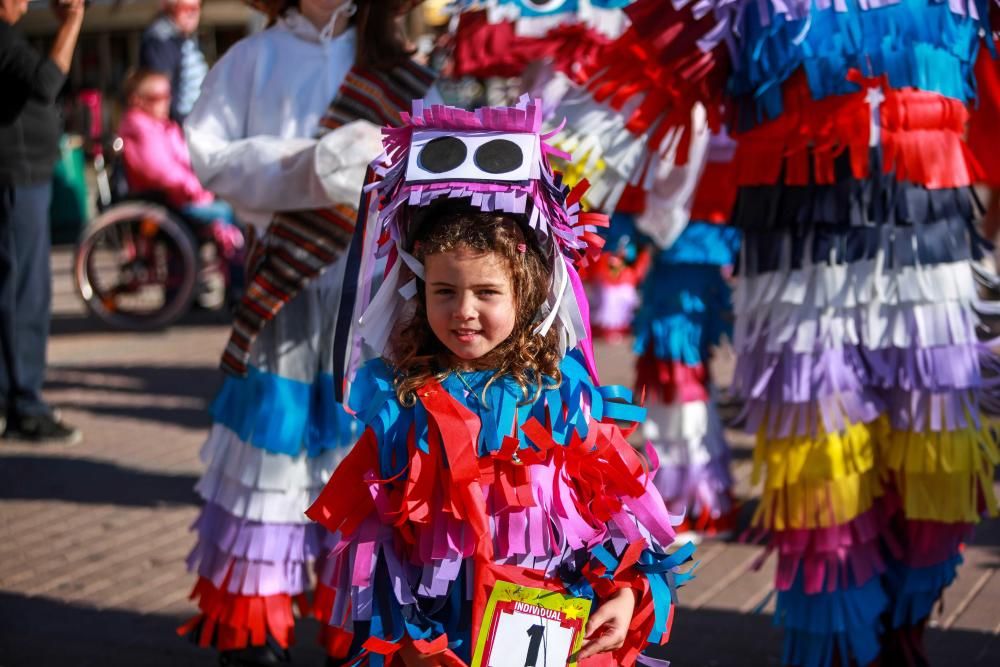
298, 245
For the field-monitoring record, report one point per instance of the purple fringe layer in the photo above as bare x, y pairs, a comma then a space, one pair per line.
253, 558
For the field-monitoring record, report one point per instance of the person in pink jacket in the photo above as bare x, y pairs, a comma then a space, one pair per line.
156, 155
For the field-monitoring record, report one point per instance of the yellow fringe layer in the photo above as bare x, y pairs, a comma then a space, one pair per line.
817, 482
832, 478
942, 476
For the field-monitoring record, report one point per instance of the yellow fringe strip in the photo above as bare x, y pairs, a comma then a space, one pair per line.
816, 460
829, 479
817, 482
942, 476
584, 165
817, 504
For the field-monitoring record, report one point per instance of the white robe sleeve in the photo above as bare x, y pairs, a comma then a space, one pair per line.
270, 173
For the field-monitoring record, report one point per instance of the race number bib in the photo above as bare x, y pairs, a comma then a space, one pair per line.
530, 627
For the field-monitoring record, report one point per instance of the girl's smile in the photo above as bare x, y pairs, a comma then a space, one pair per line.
470, 303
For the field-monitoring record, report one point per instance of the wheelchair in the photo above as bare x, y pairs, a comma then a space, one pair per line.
141, 264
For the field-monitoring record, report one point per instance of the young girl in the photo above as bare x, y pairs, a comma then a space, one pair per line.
490, 457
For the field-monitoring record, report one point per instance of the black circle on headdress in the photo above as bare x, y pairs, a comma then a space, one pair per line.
442, 154
499, 156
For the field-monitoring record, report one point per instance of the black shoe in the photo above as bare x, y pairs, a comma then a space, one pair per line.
41, 429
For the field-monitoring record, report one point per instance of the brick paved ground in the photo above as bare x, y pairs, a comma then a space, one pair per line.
93, 537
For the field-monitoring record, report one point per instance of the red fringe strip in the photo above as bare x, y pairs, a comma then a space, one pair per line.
921, 138
706, 524
985, 118
716, 193
658, 58
484, 49
611, 268
674, 381
231, 622
334, 640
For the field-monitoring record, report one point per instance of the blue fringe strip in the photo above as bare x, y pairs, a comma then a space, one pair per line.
683, 312
284, 416
843, 623
915, 591
703, 243
917, 43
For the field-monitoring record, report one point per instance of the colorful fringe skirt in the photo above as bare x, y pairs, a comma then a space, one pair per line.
277, 435
861, 368
685, 310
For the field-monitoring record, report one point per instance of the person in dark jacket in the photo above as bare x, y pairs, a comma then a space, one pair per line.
170, 46
29, 147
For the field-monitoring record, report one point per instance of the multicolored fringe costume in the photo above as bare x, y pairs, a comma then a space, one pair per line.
687, 309
855, 325
473, 484
612, 282
278, 431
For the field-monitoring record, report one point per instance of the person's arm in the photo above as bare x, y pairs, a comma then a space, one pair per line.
70, 15
270, 173
22, 68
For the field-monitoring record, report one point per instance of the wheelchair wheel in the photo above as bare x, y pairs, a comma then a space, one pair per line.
136, 266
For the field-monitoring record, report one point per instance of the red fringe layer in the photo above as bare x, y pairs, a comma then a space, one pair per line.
985, 118
232, 622
484, 49
658, 58
921, 138
706, 524
674, 381
716, 193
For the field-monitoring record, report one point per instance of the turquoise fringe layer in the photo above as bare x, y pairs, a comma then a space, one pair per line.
284, 416
916, 43
703, 243
843, 623
683, 312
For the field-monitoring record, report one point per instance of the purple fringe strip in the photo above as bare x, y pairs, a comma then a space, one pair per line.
258, 558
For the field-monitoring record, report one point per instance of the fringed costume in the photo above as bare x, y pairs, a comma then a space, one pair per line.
278, 431
478, 483
859, 361
612, 282
686, 311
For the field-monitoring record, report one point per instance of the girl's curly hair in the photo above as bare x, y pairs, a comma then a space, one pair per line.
417, 354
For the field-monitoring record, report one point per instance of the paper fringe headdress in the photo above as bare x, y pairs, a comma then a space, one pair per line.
493, 159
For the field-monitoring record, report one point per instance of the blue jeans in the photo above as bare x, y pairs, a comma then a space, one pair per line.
25, 296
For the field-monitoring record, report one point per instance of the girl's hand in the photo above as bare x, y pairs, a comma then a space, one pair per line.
607, 628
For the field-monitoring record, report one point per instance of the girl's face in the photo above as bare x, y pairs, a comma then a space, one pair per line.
470, 301
153, 96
